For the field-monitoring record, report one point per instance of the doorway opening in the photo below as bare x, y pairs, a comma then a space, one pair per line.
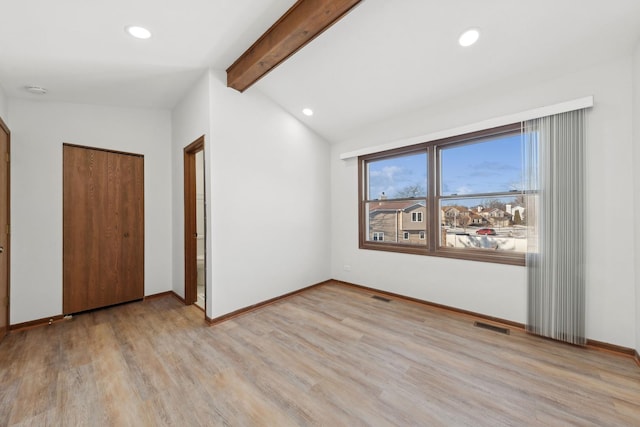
195, 242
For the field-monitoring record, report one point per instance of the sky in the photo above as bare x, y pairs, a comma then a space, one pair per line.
389, 176
485, 167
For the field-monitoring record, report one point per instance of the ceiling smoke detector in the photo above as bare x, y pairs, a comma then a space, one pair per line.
36, 90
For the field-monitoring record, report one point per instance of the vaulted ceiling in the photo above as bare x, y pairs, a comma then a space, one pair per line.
385, 58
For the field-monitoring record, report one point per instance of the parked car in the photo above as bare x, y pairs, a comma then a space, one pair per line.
487, 231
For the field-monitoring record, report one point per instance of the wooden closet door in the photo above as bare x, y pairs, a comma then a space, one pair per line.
103, 237
84, 219
125, 251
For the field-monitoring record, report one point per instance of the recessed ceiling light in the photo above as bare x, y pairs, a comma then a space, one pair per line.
138, 32
307, 112
469, 37
36, 90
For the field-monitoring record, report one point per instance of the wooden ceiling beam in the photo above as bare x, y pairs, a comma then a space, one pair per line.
303, 22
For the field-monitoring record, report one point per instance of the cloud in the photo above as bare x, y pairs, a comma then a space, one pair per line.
387, 173
390, 180
464, 189
393, 175
489, 168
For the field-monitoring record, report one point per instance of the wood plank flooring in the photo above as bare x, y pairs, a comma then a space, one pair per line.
330, 356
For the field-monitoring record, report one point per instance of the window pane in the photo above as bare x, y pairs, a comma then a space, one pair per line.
490, 166
397, 177
497, 223
390, 221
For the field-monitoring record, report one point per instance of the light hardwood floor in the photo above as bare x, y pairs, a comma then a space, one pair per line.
330, 356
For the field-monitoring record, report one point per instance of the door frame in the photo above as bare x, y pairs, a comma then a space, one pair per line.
7, 249
190, 225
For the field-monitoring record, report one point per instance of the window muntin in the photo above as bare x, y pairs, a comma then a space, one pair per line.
395, 201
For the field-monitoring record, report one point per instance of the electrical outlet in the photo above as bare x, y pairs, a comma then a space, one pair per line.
347, 267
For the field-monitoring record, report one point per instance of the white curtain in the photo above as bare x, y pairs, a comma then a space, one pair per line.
554, 155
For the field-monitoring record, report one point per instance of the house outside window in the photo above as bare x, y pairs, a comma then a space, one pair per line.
456, 197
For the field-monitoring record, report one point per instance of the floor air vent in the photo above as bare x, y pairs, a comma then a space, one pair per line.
491, 327
378, 297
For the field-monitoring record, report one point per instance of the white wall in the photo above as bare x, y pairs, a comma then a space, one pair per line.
38, 130
190, 120
636, 186
3, 105
500, 290
269, 200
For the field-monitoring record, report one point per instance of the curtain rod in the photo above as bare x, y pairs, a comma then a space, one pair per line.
549, 110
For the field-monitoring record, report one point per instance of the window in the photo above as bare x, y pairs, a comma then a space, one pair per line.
390, 208
460, 197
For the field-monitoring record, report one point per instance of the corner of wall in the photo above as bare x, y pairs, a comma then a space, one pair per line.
613, 313
190, 119
264, 157
3, 104
38, 132
636, 178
